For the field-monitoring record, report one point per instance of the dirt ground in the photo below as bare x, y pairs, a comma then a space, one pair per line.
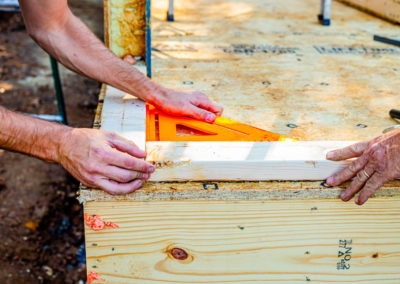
41, 229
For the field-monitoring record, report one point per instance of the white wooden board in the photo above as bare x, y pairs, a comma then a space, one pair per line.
195, 161
125, 114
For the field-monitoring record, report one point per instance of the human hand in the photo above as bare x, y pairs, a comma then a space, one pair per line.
177, 102
187, 103
103, 160
378, 162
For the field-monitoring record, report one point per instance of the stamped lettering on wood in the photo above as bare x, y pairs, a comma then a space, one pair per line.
344, 254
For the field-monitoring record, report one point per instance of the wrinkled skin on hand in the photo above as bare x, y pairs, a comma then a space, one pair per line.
103, 160
378, 162
187, 103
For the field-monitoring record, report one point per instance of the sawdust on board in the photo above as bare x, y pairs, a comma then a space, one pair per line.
313, 163
169, 164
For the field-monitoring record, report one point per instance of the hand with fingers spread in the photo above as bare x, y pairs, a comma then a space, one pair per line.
103, 160
187, 103
378, 162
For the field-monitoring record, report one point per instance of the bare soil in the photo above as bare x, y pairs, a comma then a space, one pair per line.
41, 224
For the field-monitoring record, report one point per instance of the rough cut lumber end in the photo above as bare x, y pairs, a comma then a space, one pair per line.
125, 27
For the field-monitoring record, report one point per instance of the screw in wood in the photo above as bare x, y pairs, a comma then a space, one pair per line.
360, 125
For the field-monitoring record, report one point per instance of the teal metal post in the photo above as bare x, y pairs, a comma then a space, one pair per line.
58, 88
148, 38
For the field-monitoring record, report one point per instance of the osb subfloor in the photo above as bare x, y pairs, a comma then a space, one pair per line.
272, 65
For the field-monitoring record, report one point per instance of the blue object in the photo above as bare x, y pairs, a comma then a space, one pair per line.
324, 16
81, 257
59, 92
326, 22
170, 13
170, 18
65, 224
148, 38
9, 6
395, 42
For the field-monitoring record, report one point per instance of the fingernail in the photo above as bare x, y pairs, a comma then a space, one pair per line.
357, 201
146, 176
210, 117
329, 155
342, 195
151, 170
139, 183
329, 181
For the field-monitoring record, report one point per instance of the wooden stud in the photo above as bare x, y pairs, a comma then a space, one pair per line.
125, 114
193, 161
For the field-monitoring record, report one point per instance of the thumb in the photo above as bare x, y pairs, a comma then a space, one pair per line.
201, 114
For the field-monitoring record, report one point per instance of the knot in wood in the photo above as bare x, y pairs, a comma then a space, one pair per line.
179, 253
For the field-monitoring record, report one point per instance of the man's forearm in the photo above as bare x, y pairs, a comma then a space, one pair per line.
30, 135
72, 43
86, 54
60, 33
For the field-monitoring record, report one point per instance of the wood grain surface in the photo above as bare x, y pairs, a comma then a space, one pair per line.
283, 241
257, 161
125, 114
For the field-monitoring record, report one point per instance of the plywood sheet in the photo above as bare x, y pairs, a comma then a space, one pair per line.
212, 190
272, 65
